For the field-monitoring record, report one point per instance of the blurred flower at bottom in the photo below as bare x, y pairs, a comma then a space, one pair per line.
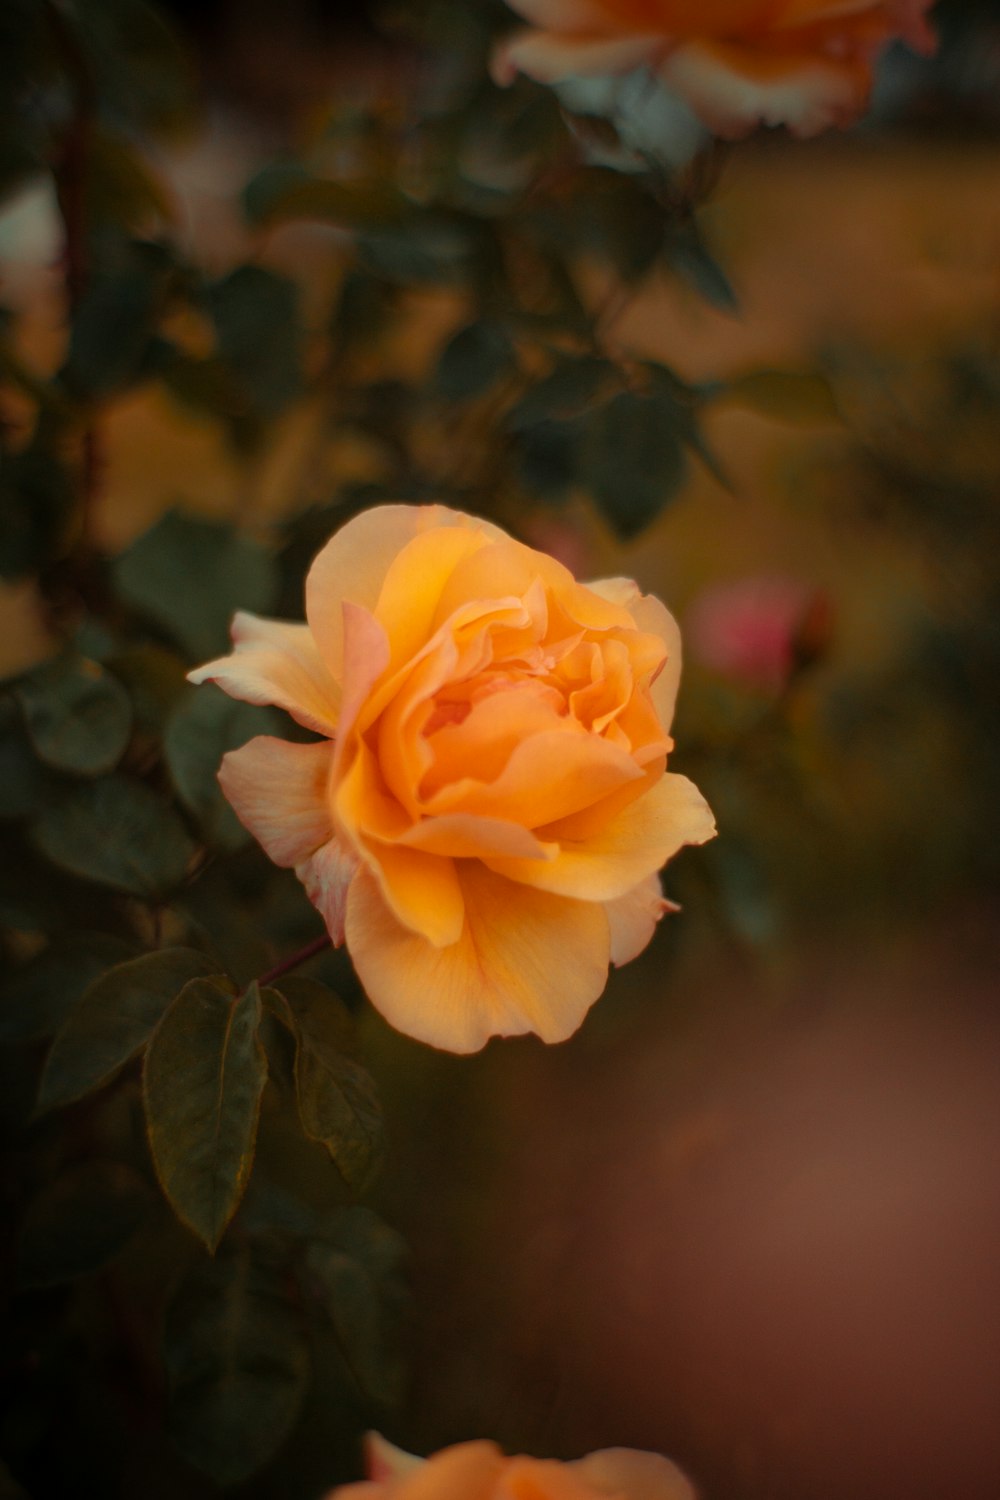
479, 1471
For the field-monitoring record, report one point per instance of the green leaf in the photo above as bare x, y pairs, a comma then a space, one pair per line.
114, 1020
256, 316
688, 257
118, 833
353, 1271
547, 456
78, 715
338, 1103
551, 420
614, 215
79, 1222
35, 1000
140, 72
427, 246
473, 360
365, 307
154, 679
787, 395
35, 496
190, 575
288, 190
24, 783
633, 459
204, 1075
114, 325
203, 727
122, 190
237, 1364
565, 392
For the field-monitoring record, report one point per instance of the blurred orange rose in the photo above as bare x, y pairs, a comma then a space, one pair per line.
479, 1471
488, 807
806, 64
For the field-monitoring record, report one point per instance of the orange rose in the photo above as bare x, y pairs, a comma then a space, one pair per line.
806, 64
479, 1471
486, 813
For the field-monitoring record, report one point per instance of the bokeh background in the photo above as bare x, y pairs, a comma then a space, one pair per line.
750, 1215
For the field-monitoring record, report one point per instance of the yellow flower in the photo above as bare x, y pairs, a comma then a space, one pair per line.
806, 64
479, 1471
488, 808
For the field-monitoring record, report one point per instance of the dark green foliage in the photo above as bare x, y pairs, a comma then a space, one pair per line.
353, 1273
434, 246
204, 1074
79, 1222
119, 833
173, 1096
255, 313
473, 360
689, 257
139, 69
189, 576
35, 999
204, 725
113, 1020
287, 190
154, 678
116, 320
633, 458
237, 1363
338, 1104
35, 497
24, 782
78, 715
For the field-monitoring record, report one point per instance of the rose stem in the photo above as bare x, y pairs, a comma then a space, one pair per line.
309, 951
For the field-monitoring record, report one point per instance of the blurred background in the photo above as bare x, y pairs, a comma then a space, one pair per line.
750, 1215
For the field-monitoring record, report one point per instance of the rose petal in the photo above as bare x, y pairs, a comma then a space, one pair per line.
423, 891
383, 1460
655, 619
510, 569
634, 844
633, 918
279, 792
326, 876
525, 962
566, 15
547, 777
544, 1479
552, 56
365, 656
352, 566
413, 584
640, 1476
794, 13
421, 888
468, 1471
275, 662
491, 732
463, 836
734, 88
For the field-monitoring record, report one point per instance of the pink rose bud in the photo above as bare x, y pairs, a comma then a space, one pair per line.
760, 630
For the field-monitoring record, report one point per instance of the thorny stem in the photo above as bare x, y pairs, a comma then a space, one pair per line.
292, 962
